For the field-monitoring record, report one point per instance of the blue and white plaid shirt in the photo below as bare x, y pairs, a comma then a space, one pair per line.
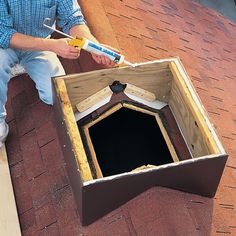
27, 17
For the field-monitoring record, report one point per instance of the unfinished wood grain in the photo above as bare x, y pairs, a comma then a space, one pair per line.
140, 93
73, 131
93, 153
186, 122
9, 222
139, 109
153, 77
162, 128
94, 99
181, 98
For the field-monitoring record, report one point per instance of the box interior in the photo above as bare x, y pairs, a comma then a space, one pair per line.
166, 81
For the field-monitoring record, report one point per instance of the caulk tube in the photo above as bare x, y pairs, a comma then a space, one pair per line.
100, 50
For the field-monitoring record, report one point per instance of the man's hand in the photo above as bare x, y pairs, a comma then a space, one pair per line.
103, 59
83, 31
63, 49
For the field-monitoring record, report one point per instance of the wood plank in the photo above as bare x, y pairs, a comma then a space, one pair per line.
153, 77
93, 153
94, 99
9, 222
73, 131
198, 121
187, 123
140, 93
139, 109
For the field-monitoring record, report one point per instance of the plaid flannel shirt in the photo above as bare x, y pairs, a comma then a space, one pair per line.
27, 17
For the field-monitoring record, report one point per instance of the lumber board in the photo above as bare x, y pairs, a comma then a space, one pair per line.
93, 154
180, 89
140, 93
94, 99
9, 222
187, 124
73, 131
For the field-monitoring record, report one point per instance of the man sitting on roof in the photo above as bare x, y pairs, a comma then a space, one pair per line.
24, 40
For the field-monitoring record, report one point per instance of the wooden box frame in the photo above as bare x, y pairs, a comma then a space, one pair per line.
168, 80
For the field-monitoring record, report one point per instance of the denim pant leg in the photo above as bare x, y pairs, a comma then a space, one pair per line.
8, 58
41, 67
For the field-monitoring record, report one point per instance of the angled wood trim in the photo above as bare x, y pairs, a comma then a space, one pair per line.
93, 154
103, 116
94, 99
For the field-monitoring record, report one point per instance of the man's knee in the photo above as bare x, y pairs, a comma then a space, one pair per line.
46, 97
8, 59
48, 100
54, 65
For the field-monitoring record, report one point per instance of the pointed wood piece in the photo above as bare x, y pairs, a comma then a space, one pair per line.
94, 99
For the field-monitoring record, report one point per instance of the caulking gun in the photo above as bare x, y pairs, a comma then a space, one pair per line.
91, 47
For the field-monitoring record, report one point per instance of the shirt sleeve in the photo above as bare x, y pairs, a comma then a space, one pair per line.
6, 26
69, 14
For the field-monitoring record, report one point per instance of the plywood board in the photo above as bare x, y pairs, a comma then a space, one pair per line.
94, 99
154, 77
140, 93
187, 123
194, 106
9, 222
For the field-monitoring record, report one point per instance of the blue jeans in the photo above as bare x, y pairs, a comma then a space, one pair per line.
40, 65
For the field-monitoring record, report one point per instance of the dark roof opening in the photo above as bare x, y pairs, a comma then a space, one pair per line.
126, 140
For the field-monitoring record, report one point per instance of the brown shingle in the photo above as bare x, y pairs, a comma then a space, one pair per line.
143, 30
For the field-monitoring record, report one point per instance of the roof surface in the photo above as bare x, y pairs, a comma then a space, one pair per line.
143, 30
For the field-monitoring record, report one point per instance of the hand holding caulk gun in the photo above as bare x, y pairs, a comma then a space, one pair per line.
100, 53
